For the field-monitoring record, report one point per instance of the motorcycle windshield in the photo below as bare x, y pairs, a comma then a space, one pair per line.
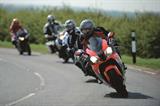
95, 44
21, 32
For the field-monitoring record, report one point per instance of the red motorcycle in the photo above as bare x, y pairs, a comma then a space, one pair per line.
107, 64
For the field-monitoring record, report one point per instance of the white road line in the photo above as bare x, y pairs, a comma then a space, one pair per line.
41, 78
150, 72
21, 99
42, 84
140, 70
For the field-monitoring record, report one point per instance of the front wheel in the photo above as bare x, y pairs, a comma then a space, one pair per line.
52, 49
116, 82
20, 50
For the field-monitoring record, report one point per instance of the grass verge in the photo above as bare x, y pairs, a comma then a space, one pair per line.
37, 48
144, 62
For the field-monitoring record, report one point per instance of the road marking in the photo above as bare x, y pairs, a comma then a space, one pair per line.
140, 70
150, 72
19, 100
42, 84
41, 78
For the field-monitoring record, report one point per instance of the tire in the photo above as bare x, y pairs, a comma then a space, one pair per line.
28, 49
20, 48
21, 52
52, 49
29, 53
116, 82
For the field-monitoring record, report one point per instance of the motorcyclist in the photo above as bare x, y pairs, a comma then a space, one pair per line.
14, 27
50, 29
89, 30
71, 37
16, 30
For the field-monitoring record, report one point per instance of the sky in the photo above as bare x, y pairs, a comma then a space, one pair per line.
117, 5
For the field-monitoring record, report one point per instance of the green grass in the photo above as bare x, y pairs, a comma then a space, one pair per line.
37, 48
6, 44
149, 63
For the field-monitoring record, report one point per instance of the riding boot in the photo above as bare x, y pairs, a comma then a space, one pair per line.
125, 67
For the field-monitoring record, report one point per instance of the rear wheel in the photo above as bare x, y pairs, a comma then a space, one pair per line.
28, 49
116, 82
52, 49
65, 60
29, 53
20, 52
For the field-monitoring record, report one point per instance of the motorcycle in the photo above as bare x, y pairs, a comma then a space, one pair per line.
23, 42
51, 44
106, 65
64, 51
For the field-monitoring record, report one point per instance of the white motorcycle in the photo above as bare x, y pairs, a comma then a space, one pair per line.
52, 48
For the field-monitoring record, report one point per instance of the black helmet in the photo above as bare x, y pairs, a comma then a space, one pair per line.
86, 27
69, 25
50, 18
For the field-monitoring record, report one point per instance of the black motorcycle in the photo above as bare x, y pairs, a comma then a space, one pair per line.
23, 43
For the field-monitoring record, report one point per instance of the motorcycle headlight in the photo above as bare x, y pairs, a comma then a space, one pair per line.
61, 37
21, 38
108, 51
94, 59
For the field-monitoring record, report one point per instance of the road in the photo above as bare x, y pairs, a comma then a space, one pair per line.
43, 80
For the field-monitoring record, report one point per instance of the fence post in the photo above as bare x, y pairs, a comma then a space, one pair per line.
133, 43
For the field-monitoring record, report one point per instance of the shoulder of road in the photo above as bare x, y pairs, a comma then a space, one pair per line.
143, 69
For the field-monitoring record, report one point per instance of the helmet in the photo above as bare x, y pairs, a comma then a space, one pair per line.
50, 18
69, 25
15, 21
86, 27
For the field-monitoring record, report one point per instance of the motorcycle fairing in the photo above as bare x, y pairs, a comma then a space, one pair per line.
109, 68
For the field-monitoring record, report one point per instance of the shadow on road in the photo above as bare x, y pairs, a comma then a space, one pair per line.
91, 81
30, 55
62, 62
131, 95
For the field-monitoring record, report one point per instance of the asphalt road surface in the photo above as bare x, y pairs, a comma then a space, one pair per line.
43, 80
